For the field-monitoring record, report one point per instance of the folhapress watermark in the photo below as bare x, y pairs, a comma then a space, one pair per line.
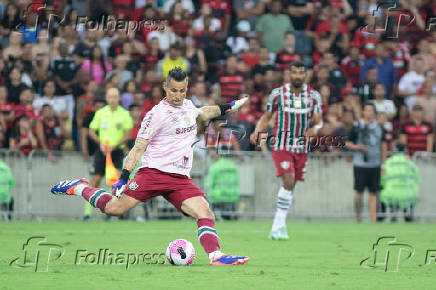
38, 254
106, 257
387, 253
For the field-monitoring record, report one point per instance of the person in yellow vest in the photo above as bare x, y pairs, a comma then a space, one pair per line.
111, 125
172, 60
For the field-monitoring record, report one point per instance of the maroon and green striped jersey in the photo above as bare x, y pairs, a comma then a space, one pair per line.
294, 113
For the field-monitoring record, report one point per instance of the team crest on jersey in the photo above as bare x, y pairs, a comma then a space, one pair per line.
188, 121
297, 104
185, 160
133, 185
285, 164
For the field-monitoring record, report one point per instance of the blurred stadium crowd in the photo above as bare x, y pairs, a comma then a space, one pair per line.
53, 74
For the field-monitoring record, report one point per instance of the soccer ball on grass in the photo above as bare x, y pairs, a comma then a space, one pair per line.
180, 252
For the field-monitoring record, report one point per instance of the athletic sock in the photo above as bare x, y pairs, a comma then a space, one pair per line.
97, 197
208, 237
284, 202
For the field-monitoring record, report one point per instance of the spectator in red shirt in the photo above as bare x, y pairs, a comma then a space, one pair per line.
230, 81
49, 131
221, 9
179, 21
25, 107
135, 113
251, 57
124, 8
285, 56
22, 138
85, 103
417, 134
322, 46
351, 65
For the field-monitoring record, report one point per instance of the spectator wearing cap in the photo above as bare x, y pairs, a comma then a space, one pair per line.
174, 59
411, 82
238, 42
416, 133
271, 27
385, 67
287, 55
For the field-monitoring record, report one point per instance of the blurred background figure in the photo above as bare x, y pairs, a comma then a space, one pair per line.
222, 187
6, 185
400, 181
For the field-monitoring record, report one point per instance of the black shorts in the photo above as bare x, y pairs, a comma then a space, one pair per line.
99, 165
366, 177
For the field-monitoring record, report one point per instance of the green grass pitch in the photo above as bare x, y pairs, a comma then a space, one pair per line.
323, 255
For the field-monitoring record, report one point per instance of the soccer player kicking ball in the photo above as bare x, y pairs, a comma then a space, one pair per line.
298, 116
166, 135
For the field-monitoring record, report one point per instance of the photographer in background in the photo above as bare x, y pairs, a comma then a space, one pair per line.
367, 140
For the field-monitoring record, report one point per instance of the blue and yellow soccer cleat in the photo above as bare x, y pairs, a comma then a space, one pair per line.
229, 260
68, 186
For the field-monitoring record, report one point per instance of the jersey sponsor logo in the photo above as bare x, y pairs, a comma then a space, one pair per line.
133, 185
285, 164
186, 129
118, 125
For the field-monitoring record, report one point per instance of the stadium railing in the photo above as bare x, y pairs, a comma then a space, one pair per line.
327, 192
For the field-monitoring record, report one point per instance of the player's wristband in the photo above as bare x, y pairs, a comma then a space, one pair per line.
125, 175
225, 108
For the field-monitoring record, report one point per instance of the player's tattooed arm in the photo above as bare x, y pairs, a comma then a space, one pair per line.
209, 112
135, 154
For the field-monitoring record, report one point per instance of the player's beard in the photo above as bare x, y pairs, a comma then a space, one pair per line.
297, 83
